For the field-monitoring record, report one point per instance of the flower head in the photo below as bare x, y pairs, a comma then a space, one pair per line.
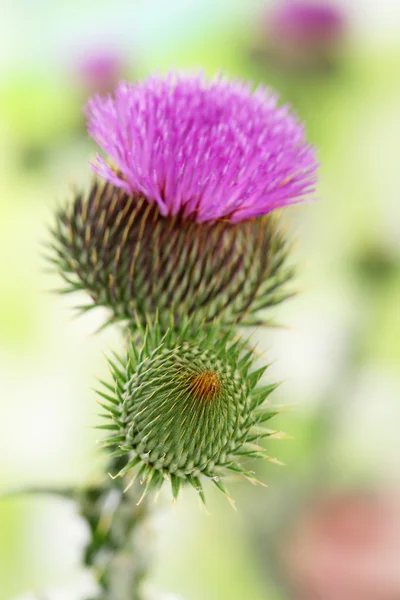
304, 34
135, 262
100, 72
207, 148
306, 19
183, 408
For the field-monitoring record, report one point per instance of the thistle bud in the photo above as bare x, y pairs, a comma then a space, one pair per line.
180, 409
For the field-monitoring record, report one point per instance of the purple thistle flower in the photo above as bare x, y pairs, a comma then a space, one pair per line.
100, 72
307, 21
208, 148
303, 35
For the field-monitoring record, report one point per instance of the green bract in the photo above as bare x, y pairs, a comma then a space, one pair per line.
130, 259
182, 408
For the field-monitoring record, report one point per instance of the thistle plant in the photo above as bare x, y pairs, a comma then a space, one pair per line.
176, 238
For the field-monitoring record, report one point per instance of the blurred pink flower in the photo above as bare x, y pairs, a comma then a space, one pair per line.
346, 548
307, 21
100, 72
303, 33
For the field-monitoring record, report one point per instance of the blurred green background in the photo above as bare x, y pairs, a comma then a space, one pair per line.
338, 355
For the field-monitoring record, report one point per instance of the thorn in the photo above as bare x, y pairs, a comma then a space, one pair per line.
231, 502
254, 481
276, 461
142, 497
130, 484
280, 435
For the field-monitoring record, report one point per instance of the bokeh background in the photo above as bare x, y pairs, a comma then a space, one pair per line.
328, 525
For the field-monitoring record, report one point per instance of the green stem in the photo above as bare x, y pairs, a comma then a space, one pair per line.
39, 491
117, 547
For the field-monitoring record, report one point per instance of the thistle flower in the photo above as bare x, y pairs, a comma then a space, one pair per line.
174, 225
306, 20
305, 34
183, 409
207, 149
99, 72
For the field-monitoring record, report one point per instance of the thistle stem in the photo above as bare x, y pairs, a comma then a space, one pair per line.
117, 548
118, 538
68, 493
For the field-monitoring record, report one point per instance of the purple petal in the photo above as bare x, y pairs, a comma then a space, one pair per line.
211, 148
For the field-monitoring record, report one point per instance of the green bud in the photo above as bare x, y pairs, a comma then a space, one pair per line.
183, 408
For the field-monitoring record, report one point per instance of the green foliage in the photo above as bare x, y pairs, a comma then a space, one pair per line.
181, 408
132, 260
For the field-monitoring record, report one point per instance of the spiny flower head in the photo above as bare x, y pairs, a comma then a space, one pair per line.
208, 148
182, 408
132, 260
